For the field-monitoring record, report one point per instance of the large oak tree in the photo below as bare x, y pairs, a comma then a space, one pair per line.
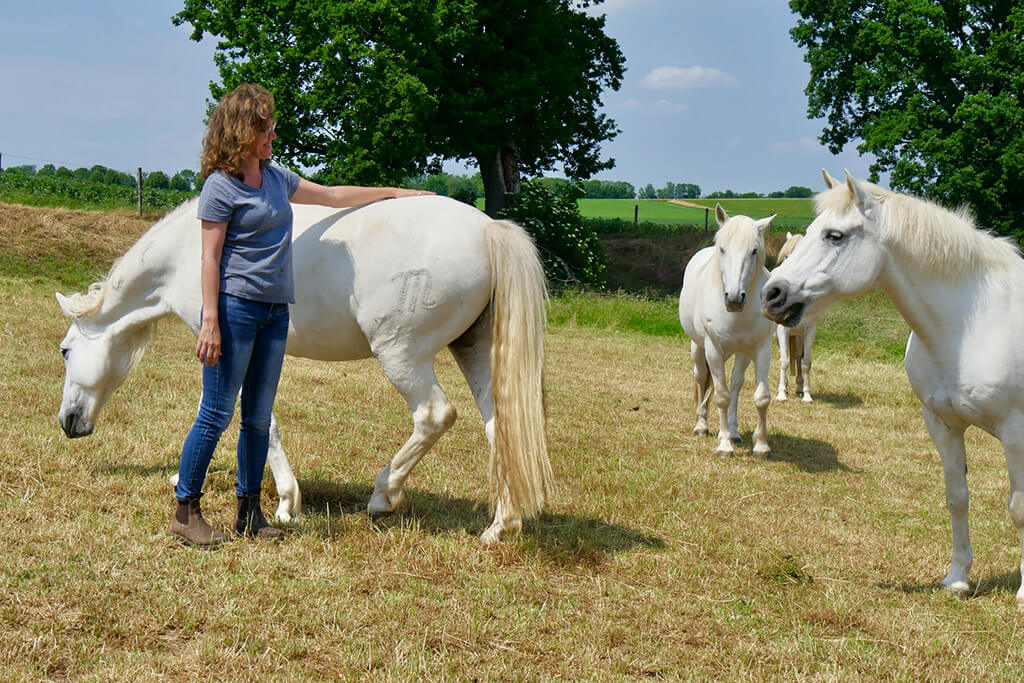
372, 91
932, 88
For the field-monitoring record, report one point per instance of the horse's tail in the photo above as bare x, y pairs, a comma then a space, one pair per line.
796, 351
519, 455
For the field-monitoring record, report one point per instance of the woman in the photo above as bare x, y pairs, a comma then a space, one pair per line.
246, 287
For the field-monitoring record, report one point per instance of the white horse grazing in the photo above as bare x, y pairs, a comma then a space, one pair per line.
962, 292
400, 280
795, 342
717, 284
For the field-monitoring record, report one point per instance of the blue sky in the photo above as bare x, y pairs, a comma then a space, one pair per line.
713, 92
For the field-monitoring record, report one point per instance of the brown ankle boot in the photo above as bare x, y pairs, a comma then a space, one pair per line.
189, 525
249, 520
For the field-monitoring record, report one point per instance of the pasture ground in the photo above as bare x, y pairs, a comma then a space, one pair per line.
656, 560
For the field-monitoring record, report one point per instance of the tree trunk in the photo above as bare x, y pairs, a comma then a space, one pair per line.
499, 169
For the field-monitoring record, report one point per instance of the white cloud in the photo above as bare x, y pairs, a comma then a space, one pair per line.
686, 77
669, 107
804, 144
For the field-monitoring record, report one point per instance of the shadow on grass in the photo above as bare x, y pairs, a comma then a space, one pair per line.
1006, 583
839, 400
559, 538
808, 455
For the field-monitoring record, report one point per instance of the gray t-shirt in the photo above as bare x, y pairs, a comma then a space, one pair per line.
256, 262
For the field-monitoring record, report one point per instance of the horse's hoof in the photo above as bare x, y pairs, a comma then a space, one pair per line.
736, 440
381, 505
958, 588
781, 398
701, 432
807, 398
724, 454
762, 454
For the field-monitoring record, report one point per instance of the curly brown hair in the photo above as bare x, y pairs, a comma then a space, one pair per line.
235, 122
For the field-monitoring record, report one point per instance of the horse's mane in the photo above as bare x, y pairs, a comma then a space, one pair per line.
84, 306
788, 247
937, 239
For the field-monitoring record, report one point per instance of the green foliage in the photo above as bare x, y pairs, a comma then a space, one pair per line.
648, 192
67, 190
371, 92
933, 89
679, 191
608, 189
571, 251
157, 180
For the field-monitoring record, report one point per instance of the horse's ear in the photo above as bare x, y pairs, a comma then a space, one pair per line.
861, 196
789, 235
62, 301
763, 224
720, 215
830, 182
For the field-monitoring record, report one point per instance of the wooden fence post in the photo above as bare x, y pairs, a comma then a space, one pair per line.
138, 182
706, 218
636, 215
1, 165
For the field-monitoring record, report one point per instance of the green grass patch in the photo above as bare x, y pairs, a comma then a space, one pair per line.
867, 327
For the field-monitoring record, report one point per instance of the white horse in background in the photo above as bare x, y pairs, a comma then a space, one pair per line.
718, 283
795, 342
400, 280
962, 292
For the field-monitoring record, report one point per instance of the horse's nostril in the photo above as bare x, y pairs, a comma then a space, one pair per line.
772, 294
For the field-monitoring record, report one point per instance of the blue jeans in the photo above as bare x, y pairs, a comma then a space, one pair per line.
253, 336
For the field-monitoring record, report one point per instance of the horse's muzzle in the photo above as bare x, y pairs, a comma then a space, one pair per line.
734, 304
75, 426
776, 305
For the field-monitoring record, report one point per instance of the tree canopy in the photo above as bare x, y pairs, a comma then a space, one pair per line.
932, 88
372, 92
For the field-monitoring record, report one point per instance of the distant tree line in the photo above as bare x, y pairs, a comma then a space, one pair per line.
464, 188
182, 181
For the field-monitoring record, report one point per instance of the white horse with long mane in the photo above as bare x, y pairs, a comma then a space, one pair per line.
399, 280
962, 292
795, 342
718, 283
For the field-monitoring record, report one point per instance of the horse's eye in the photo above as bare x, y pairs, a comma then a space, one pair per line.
754, 253
833, 236
64, 352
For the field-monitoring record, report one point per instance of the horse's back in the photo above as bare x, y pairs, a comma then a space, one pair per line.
403, 271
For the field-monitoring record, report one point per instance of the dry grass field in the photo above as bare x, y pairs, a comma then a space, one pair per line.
656, 560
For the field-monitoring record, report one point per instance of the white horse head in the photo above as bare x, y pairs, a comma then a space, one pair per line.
98, 356
739, 245
841, 255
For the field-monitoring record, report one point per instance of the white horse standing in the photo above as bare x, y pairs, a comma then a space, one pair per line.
795, 342
717, 284
962, 292
399, 280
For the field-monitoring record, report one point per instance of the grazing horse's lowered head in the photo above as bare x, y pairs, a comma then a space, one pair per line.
98, 357
739, 245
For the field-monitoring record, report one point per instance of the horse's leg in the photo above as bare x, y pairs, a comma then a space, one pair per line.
739, 371
762, 397
782, 334
950, 444
472, 352
432, 415
289, 497
1011, 434
716, 364
701, 387
805, 363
